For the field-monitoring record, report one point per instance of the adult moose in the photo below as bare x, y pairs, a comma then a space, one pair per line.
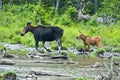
90, 40
42, 33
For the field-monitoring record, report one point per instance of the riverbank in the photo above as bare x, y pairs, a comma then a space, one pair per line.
42, 66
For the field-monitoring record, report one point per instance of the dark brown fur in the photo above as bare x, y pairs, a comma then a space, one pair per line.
42, 33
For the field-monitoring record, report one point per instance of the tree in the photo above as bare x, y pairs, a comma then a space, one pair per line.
95, 5
0, 5
57, 6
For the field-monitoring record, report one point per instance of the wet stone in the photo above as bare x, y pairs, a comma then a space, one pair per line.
7, 62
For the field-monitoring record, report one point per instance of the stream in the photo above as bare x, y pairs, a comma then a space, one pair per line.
53, 69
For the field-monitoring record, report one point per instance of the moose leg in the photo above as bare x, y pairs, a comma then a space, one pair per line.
59, 45
84, 49
36, 45
45, 47
99, 45
89, 48
89, 51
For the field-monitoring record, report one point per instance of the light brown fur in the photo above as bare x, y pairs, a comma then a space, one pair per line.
88, 40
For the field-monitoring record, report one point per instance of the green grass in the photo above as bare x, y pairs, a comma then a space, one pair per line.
4, 74
1, 46
110, 35
12, 24
18, 52
22, 52
83, 79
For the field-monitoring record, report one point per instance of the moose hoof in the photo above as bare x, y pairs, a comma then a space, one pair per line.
41, 51
49, 50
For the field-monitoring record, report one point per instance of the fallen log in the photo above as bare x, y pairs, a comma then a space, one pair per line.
104, 19
6, 62
56, 62
59, 57
8, 56
41, 73
117, 71
107, 76
96, 65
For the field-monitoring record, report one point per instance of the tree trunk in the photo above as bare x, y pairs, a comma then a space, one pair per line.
0, 5
95, 5
106, 20
11, 2
57, 6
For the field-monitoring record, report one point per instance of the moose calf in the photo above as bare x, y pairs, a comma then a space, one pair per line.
88, 40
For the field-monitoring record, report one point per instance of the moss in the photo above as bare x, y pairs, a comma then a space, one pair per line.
7, 74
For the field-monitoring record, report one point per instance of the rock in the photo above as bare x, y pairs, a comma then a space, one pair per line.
40, 73
100, 54
115, 62
107, 76
5, 54
8, 56
96, 65
7, 62
59, 57
31, 77
117, 71
117, 78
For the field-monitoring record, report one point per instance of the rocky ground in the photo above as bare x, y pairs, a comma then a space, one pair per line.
37, 66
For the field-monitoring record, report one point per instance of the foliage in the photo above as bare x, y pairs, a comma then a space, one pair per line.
1, 46
110, 8
14, 17
107, 6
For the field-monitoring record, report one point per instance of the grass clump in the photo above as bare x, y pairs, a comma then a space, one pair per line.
22, 52
7, 75
83, 78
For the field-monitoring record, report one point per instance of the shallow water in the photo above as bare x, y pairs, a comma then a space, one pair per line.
24, 67
81, 67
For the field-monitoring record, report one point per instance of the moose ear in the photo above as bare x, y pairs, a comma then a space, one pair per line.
29, 23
